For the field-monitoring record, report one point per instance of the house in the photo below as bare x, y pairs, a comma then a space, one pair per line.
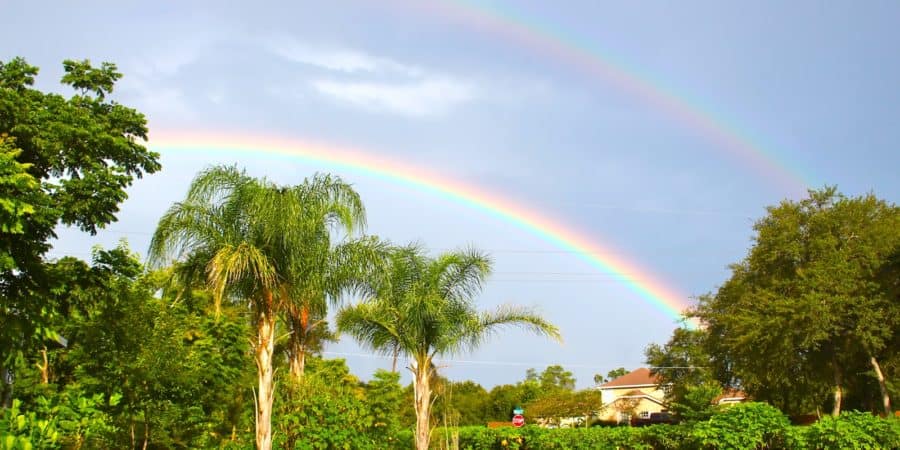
635, 394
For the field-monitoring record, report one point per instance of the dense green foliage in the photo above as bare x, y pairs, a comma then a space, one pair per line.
62, 161
810, 316
752, 425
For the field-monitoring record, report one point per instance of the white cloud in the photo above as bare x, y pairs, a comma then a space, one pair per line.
335, 59
370, 82
417, 98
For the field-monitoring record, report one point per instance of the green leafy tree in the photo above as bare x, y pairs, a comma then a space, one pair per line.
459, 403
555, 406
243, 237
325, 409
19, 189
436, 317
175, 370
384, 402
64, 161
611, 375
556, 378
504, 398
683, 369
812, 299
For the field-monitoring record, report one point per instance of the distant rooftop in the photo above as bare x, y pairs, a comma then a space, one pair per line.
637, 377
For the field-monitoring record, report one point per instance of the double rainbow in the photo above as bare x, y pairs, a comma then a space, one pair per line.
577, 52
649, 287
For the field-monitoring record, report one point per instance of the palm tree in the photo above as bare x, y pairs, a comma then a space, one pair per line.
386, 290
322, 271
430, 312
243, 237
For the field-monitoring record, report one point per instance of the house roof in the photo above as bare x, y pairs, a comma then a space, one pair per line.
637, 377
730, 394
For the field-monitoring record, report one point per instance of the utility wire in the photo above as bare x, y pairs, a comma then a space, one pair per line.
504, 363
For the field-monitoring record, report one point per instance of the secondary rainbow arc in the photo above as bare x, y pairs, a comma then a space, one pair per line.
651, 288
539, 36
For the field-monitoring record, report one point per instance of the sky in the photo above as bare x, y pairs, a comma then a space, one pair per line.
658, 131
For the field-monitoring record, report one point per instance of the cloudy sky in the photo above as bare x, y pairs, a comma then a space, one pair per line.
660, 130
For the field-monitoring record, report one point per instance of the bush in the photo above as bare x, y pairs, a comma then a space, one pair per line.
854, 430
65, 420
24, 430
664, 437
748, 425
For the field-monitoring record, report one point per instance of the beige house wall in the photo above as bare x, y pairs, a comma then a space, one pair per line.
624, 399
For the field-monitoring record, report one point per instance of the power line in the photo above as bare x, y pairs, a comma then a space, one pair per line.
439, 249
475, 362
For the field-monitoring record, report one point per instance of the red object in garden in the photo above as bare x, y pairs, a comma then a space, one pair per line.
518, 420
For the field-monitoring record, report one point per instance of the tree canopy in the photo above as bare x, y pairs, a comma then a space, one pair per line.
810, 316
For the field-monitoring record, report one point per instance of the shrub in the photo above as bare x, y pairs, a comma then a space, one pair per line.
856, 430
664, 437
24, 430
64, 420
748, 425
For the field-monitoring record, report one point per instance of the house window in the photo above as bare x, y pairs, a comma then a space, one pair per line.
645, 414
624, 417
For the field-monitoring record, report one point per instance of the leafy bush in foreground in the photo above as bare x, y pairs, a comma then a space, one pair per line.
748, 425
854, 430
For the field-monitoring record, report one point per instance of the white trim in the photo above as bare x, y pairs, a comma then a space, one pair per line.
625, 386
648, 397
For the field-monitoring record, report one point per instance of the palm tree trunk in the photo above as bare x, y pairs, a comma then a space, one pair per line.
885, 398
422, 389
265, 348
396, 355
297, 349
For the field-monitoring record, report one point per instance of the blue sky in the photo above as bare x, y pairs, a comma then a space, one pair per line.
814, 84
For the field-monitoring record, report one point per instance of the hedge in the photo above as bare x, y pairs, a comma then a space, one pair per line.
749, 425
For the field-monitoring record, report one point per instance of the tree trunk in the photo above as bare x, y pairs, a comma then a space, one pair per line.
838, 390
396, 355
885, 398
297, 351
146, 432
45, 368
6, 387
422, 389
265, 347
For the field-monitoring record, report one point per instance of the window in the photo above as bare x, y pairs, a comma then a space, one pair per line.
644, 414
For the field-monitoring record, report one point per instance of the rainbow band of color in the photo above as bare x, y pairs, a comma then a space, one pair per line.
537, 36
661, 296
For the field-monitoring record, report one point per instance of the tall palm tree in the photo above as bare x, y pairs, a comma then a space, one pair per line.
243, 237
431, 313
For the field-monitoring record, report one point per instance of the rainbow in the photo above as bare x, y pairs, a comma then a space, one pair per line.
582, 54
649, 287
